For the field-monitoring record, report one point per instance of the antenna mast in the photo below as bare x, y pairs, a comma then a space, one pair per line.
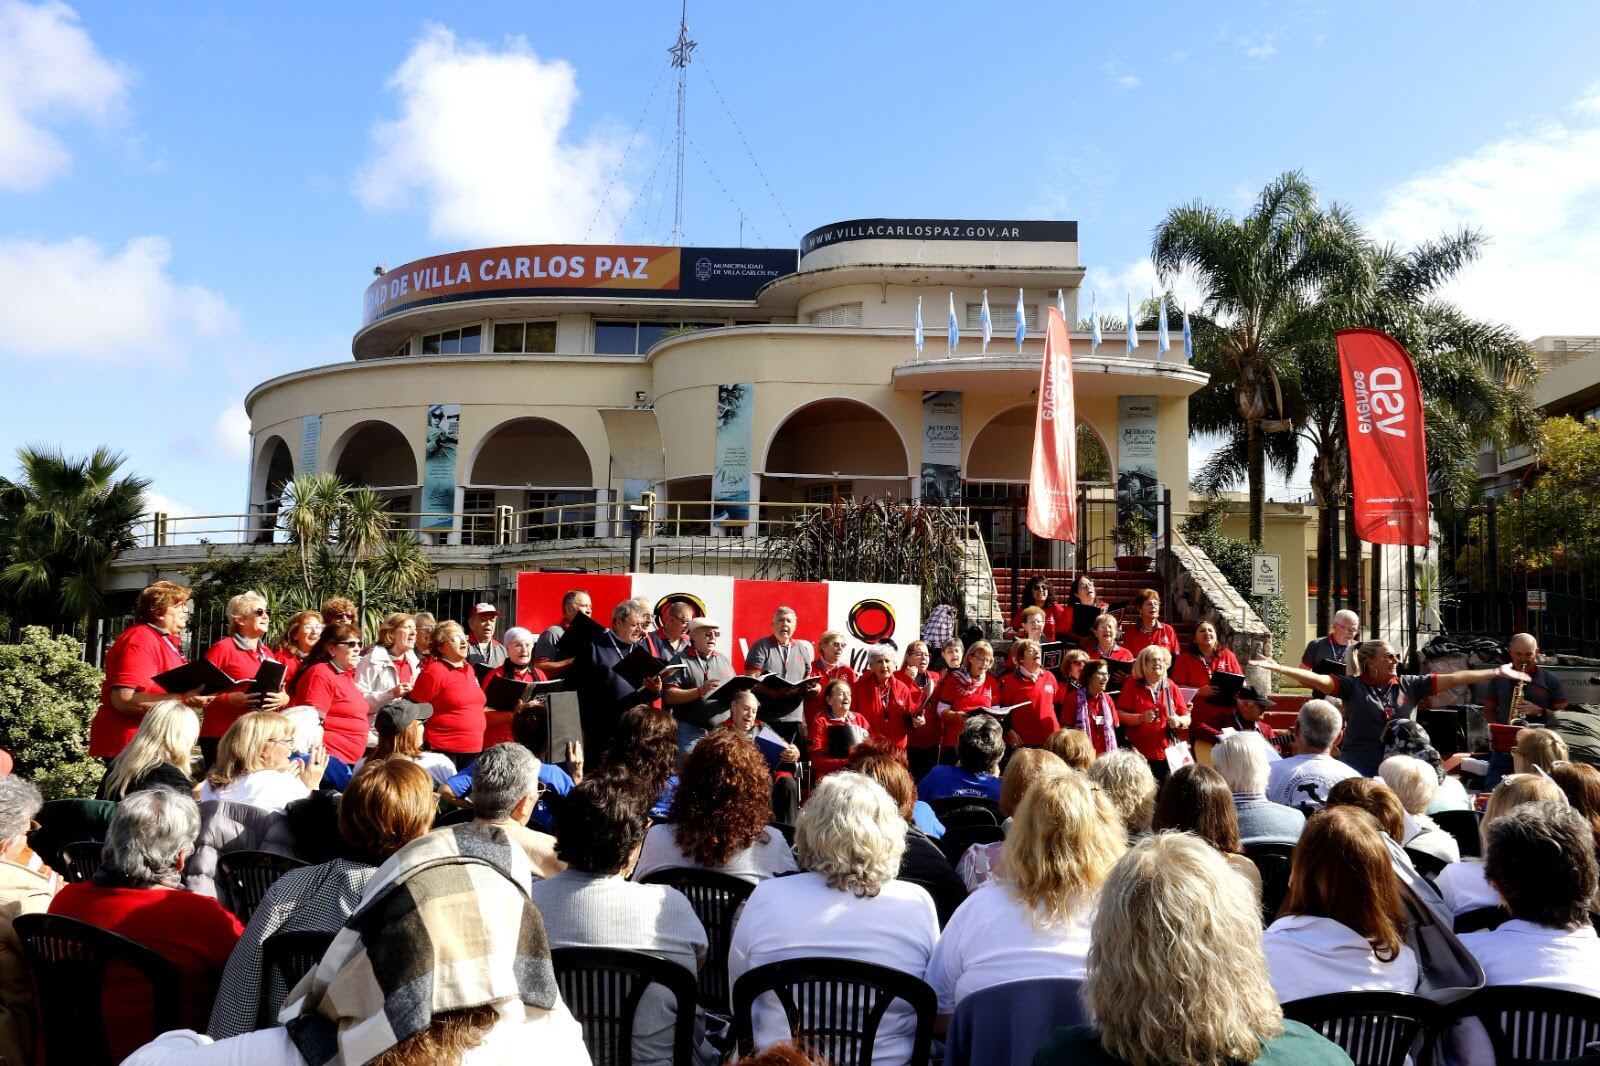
681, 51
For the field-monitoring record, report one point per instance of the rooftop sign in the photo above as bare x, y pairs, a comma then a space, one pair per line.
936, 229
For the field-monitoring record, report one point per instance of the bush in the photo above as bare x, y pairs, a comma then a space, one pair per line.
48, 694
1232, 556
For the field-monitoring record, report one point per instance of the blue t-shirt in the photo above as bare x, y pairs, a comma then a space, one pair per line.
944, 781
552, 777
923, 817
663, 808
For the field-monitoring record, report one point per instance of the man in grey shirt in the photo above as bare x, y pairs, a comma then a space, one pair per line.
790, 658
704, 669
575, 602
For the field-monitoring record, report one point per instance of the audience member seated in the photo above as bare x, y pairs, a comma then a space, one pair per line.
1125, 778
1377, 799
400, 730
1026, 766
1073, 747
1304, 779
923, 863
845, 904
1463, 884
26, 887
159, 754
505, 788
1176, 971
388, 804
978, 752
1581, 784
720, 814
742, 720
527, 729
1538, 749
1405, 736
1243, 762
462, 975
922, 815
644, 749
1196, 799
1033, 918
135, 893
837, 697
253, 765
591, 904
1414, 784
1340, 928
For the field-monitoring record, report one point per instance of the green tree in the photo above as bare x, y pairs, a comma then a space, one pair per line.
48, 694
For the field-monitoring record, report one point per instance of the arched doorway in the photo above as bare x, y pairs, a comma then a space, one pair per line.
376, 455
834, 449
273, 470
539, 469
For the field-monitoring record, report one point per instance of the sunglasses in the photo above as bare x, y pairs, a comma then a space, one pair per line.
260, 612
338, 616
348, 643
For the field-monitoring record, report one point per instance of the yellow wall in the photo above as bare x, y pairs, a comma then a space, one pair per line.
1287, 527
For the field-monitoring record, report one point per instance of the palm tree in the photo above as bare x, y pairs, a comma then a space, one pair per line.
61, 524
1257, 273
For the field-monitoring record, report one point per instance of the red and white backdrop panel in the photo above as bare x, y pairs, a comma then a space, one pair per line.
867, 613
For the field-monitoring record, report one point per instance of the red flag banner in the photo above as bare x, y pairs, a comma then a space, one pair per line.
1053, 483
1388, 453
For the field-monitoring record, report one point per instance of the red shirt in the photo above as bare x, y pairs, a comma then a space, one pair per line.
1119, 653
242, 663
457, 724
817, 740
962, 696
292, 662
1138, 698
343, 707
193, 932
927, 734
134, 658
1137, 640
814, 704
1035, 722
498, 727
888, 708
1191, 671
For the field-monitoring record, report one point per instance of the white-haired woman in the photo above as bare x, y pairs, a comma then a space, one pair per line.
845, 904
1416, 783
1125, 778
26, 887
1032, 919
240, 654
389, 668
1176, 972
1463, 884
1242, 761
518, 666
159, 754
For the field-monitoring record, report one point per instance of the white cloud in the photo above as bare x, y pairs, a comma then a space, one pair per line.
483, 139
50, 71
1120, 77
1536, 197
1136, 279
230, 433
76, 299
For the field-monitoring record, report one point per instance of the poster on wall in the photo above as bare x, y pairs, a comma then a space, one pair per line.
1137, 442
310, 442
439, 466
869, 613
941, 448
730, 484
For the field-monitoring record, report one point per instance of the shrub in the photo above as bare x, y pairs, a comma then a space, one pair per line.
1232, 556
47, 696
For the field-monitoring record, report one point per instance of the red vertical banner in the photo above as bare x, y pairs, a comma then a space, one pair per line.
1053, 482
1388, 452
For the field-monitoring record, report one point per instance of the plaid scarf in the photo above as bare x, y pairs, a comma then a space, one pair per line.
445, 924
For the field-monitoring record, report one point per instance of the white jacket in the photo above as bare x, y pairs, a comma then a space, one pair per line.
376, 677
1309, 956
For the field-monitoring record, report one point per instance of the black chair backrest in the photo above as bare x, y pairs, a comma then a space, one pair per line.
968, 815
68, 960
716, 899
285, 958
949, 804
459, 816
80, 859
958, 839
834, 1006
1481, 918
1531, 1024
602, 988
1373, 1028
243, 877
1463, 826
1427, 865
1273, 860
784, 828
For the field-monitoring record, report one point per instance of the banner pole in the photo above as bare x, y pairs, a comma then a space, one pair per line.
1411, 599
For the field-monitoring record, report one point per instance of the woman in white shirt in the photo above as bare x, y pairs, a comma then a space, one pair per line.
1033, 918
1340, 928
1462, 884
1416, 783
844, 904
388, 669
253, 764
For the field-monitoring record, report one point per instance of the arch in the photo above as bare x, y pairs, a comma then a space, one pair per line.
376, 454
274, 468
531, 451
836, 435
1003, 449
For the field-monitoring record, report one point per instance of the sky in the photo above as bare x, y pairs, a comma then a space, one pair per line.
193, 197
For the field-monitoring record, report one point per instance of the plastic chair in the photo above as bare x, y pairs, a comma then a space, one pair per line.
243, 877
63, 821
1463, 826
1427, 865
459, 816
1532, 1024
1481, 918
602, 988
1273, 860
1373, 1028
1004, 1024
80, 859
716, 899
834, 1006
285, 959
969, 815
946, 806
68, 960
957, 839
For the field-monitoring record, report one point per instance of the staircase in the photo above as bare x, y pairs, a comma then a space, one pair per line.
1111, 586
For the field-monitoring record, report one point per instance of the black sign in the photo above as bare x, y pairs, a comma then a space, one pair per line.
936, 229
731, 273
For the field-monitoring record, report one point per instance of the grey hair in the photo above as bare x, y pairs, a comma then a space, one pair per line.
516, 633
1412, 780
879, 651
1242, 761
634, 608
19, 802
851, 832
1127, 781
504, 775
149, 833
1319, 724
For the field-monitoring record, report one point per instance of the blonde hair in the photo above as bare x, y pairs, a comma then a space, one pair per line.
390, 626
1125, 778
851, 833
1026, 766
239, 750
444, 633
1148, 654
166, 734
1541, 748
243, 604
1064, 840
1513, 791
1176, 972
1073, 747
1414, 782
975, 647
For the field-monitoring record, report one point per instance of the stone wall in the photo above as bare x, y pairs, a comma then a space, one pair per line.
1197, 590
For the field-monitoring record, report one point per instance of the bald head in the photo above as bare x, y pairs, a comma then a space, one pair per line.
1523, 650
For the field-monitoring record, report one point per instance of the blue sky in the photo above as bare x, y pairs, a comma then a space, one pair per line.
192, 197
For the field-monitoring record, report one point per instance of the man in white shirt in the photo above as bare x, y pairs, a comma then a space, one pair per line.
1303, 779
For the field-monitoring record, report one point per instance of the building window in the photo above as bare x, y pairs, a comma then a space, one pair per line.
558, 515
838, 315
477, 517
404, 349
637, 338
1002, 317
538, 338
465, 341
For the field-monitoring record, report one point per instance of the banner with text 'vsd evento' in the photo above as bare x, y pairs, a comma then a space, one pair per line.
1388, 452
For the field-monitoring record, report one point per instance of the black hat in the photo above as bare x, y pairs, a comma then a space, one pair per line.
1250, 695
394, 716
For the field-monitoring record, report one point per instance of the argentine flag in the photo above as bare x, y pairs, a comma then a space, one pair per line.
1163, 341
1188, 338
951, 327
1133, 331
1022, 322
1061, 305
919, 325
1094, 323
985, 322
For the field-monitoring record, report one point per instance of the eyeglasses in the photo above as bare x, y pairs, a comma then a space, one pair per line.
260, 612
282, 740
341, 616
348, 643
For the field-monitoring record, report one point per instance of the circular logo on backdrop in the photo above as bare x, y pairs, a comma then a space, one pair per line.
702, 270
871, 621
696, 604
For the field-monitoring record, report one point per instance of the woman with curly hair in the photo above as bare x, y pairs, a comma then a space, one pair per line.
644, 750
719, 815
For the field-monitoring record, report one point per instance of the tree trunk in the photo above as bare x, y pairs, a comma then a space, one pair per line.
1324, 567
1257, 458
1352, 558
